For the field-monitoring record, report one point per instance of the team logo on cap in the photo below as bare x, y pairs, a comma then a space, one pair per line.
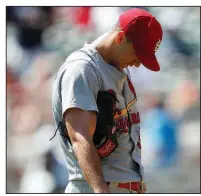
157, 45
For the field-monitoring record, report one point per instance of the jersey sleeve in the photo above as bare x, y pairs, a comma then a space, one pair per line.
79, 86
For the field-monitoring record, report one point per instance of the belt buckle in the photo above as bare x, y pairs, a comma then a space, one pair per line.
113, 184
116, 184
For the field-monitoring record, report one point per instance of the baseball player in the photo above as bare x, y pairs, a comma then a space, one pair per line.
94, 106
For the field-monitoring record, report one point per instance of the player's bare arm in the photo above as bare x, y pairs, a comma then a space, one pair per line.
81, 133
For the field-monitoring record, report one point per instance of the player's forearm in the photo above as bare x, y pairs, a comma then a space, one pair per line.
90, 164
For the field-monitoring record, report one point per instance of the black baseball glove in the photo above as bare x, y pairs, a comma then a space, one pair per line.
105, 136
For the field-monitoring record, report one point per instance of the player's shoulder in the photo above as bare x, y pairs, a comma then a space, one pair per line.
79, 58
77, 67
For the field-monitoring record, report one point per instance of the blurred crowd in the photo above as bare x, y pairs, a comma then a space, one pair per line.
38, 41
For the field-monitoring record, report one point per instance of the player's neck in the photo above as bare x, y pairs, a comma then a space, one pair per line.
106, 52
103, 51
103, 46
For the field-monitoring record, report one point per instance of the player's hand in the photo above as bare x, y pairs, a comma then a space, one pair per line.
143, 188
103, 189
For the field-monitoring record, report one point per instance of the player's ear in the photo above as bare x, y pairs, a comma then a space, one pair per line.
120, 37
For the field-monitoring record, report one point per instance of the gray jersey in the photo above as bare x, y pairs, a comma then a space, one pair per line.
78, 81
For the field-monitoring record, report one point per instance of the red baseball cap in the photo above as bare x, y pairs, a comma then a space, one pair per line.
145, 32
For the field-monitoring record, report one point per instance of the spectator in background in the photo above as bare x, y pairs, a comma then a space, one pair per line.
31, 22
160, 142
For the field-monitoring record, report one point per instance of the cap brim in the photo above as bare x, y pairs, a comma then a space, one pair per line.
149, 61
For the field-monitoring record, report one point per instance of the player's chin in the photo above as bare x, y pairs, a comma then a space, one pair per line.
130, 65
